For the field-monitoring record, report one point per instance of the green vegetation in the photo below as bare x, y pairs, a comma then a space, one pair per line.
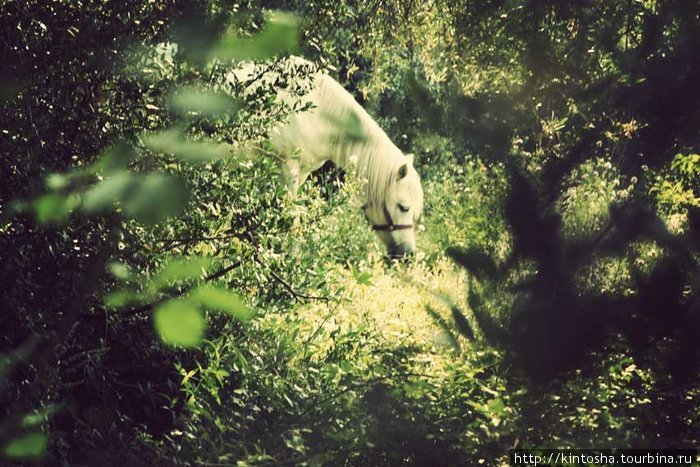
167, 303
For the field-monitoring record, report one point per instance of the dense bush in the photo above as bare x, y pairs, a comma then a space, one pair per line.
63, 102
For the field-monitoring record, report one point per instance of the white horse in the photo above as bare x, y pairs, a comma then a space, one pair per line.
336, 128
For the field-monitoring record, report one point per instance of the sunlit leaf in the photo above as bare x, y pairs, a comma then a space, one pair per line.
155, 198
104, 194
181, 269
203, 102
221, 299
362, 278
119, 270
57, 181
28, 446
279, 35
179, 323
187, 375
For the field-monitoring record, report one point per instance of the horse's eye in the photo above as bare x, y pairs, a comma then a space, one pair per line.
403, 208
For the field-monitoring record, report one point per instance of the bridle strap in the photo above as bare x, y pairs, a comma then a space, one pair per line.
390, 226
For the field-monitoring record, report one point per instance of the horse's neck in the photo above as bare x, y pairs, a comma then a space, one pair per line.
360, 139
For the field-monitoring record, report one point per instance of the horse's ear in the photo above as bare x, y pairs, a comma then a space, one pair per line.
403, 171
410, 158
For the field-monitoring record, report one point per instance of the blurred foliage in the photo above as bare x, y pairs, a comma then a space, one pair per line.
169, 304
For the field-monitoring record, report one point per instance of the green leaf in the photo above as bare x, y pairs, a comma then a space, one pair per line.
119, 299
221, 299
362, 278
39, 416
53, 208
351, 126
181, 269
113, 159
155, 198
119, 270
279, 35
57, 181
104, 194
173, 142
179, 323
31, 445
203, 102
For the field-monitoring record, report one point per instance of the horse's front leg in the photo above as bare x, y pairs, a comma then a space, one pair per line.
290, 174
293, 173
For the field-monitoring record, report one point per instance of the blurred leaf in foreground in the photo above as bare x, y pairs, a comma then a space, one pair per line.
279, 35
102, 196
114, 158
221, 299
192, 99
31, 445
57, 181
476, 262
119, 299
173, 142
349, 126
446, 328
179, 323
53, 208
181, 269
39, 416
462, 324
156, 197
119, 270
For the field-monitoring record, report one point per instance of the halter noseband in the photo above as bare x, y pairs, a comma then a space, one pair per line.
389, 226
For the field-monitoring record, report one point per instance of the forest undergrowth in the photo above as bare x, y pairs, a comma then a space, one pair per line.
392, 367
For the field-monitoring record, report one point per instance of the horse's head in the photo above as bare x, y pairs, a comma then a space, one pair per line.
395, 217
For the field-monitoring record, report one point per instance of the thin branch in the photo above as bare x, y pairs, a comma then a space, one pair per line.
149, 306
297, 295
222, 272
316, 332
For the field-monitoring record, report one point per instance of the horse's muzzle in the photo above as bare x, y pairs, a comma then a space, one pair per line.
400, 251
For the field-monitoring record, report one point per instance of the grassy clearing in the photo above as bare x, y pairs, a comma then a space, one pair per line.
367, 373
375, 370
391, 303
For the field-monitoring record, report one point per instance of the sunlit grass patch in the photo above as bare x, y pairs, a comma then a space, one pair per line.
392, 302
591, 189
465, 209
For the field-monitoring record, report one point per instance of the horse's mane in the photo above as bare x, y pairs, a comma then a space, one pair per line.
378, 158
